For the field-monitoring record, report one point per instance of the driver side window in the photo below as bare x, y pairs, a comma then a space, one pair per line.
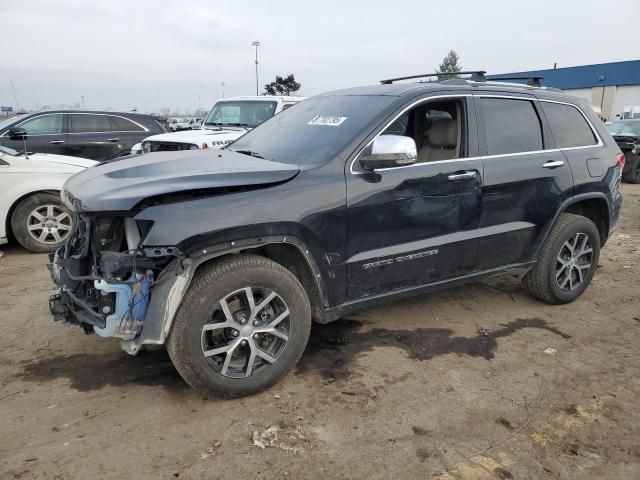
436, 126
43, 125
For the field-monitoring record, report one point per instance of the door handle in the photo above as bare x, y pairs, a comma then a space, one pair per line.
113, 140
56, 142
463, 176
553, 164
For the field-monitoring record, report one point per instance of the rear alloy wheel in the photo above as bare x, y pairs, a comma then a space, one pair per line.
574, 262
567, 261
41, 222
242, 325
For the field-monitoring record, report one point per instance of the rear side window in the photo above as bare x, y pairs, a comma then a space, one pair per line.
87, 123
121, 124
569, 127
511, 126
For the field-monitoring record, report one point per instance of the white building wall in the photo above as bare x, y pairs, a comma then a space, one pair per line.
626, 95
580, 92
614, 101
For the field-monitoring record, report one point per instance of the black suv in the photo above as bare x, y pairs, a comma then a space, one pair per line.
87, 134
344, 200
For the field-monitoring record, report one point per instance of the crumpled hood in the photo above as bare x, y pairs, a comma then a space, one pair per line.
119, 186
196, 137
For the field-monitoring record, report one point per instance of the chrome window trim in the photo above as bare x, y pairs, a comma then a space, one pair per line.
144, 129
530, 98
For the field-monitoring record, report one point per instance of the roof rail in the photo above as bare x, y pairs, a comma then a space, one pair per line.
531, 81
476, 76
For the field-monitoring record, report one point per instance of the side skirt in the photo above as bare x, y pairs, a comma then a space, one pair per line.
335, 313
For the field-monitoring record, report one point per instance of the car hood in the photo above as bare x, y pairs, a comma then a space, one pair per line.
122, 185
63, 159
196, 136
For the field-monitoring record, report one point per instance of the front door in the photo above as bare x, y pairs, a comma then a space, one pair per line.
414, 225
45, 134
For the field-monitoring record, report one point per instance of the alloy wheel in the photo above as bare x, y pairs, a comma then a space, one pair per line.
248, 332
49, 224
574, 262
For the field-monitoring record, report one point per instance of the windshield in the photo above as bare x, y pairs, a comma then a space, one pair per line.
240, 113
315, 130
624, 128
8, 151
9, 121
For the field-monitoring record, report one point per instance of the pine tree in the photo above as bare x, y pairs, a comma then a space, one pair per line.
449, 66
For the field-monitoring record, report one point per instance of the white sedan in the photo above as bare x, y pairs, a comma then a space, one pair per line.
30, 205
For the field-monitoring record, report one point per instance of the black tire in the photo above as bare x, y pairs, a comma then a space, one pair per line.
541, 280
632, 175
216, 282
22, 217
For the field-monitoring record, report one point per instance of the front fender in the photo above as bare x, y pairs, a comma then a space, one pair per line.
175, 279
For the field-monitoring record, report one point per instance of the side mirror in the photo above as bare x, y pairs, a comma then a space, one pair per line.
17, 134
388, 151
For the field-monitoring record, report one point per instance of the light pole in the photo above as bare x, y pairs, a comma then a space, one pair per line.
256, 44
222, 85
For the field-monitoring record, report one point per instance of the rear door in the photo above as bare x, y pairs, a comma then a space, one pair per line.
128, 131
45, 134
91, 136
412, 225
526, 178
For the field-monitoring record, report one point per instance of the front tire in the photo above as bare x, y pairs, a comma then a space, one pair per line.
567, 262
41, 222
242, 326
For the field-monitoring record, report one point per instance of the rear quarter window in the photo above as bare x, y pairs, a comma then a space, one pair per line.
121, 124
568, 125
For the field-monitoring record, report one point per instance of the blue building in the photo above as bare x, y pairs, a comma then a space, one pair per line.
613, 88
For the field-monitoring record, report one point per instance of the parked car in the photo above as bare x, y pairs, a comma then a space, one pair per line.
186, 124
30, 205
626, 133
351, 198
88, 134
171, 124
228, 120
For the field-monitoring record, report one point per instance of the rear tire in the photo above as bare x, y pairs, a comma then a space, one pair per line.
242, 326
41, 222
633, 173
567, 261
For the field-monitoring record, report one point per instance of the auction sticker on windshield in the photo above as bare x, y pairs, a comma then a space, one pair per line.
327, 120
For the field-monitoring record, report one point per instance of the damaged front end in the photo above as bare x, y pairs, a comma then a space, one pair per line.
112, 286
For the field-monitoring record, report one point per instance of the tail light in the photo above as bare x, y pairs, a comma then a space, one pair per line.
205, 145
620, 160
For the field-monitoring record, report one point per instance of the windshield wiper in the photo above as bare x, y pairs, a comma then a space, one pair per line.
249, 152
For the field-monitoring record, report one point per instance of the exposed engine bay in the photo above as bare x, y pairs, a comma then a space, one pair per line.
106, 280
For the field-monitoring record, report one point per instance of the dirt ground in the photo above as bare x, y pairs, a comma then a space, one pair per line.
451, 385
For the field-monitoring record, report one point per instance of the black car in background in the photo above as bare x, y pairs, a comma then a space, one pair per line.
626, 133
89, 134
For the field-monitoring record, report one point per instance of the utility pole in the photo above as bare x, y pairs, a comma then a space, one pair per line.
256, 44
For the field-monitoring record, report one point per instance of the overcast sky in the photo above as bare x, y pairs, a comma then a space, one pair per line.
153, 54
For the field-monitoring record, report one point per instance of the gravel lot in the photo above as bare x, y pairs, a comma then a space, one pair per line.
451, 385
